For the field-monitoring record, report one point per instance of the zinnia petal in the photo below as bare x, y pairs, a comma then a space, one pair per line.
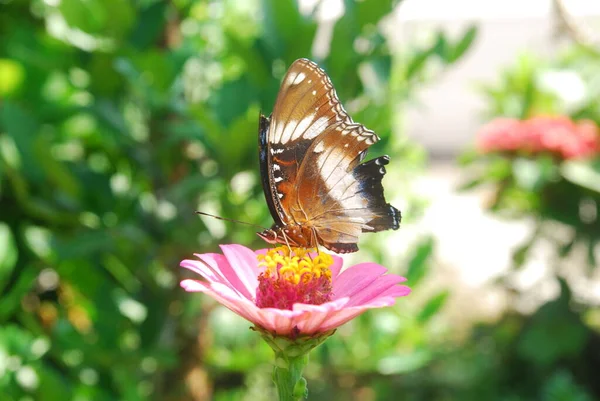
356, 278
246, 267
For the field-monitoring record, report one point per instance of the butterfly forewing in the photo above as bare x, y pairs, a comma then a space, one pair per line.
311, 154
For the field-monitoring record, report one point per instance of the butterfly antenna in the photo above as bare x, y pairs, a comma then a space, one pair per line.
231, 220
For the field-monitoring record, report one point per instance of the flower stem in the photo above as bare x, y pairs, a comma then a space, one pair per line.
287, 375
291, 357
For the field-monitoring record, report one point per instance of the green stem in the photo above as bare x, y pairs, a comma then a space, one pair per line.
291, 357
287, 375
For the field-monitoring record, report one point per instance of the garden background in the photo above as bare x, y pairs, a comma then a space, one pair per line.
119, 119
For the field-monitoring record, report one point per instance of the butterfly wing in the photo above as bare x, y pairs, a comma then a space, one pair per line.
313, 153
301, 113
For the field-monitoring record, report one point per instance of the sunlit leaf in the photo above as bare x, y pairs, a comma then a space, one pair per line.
584, 173
433, 306
419, 262
464, 44
8, 253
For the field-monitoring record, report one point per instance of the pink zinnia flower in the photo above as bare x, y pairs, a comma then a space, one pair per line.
292, 293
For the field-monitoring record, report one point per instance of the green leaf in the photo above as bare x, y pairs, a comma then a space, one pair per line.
232, 99
287, 32
591, 252
8, 253
554, 333
441, 47
149, 25
89, 16
433, 306
457, 51
419, 261
468, 157
416, 63
22, 126
583, 173
499, 169
12, 75
404, 363
98, 16
532, 174
562, 387
470, 184
371, 12
519, 256
12, 297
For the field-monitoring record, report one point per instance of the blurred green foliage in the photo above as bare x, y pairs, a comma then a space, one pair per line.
544, 187
117, 121
551, 354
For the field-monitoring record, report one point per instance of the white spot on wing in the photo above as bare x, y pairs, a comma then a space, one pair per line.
315, 128
302, 127
288, 131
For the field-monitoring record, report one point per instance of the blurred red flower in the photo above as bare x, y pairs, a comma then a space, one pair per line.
558, 135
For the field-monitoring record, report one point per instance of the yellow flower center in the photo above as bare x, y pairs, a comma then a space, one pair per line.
296, 265
291, 276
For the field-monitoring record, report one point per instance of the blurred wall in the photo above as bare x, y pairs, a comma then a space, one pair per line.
448, 112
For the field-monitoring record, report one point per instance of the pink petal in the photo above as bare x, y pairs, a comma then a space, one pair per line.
336, 267
343, 316
355, 278
246, 264
277, 321
315, 316
222, 269
220, 292
228, 297
375, 289
193, 286
204, 269
233, 271
397, 291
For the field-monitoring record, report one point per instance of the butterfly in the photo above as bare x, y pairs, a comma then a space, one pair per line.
318, 189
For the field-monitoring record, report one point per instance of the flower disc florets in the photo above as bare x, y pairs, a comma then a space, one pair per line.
291, 276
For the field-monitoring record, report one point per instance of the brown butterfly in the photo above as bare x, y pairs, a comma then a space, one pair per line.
318, 190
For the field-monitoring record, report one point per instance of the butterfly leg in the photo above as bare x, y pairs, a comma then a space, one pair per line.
286, 241
313, 235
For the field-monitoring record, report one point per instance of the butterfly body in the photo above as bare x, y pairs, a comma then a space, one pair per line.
318, 189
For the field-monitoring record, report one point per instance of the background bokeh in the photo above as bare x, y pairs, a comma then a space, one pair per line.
119, 119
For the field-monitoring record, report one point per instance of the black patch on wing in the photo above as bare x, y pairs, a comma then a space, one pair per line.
339, 247
370, 175
263, 156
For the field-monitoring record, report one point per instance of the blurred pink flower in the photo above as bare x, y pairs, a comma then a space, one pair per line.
500, 134
558, 135
242, 279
